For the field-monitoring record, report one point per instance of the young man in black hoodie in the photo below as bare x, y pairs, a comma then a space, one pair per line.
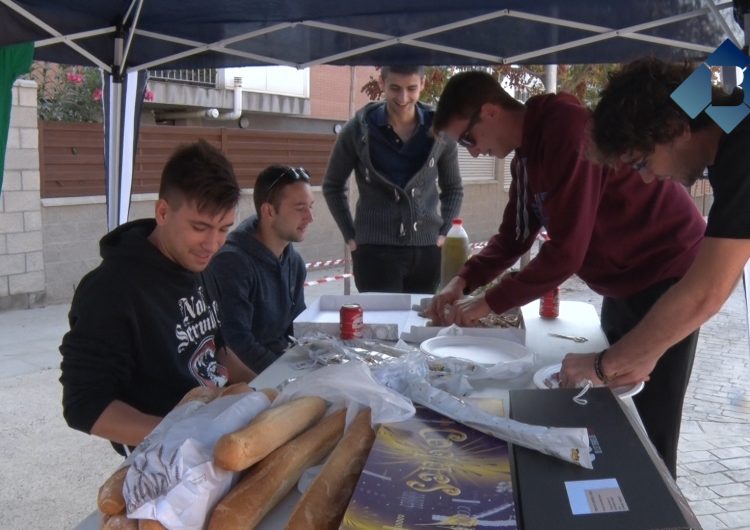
260, 275
144, 325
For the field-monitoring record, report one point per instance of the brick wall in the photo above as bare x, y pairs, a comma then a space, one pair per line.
22, 272
74, 225
48, 244
330, 90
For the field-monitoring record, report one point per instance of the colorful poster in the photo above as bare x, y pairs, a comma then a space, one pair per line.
432, 472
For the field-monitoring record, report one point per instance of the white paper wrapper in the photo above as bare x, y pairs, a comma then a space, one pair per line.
350, 385
172, 477
407, 375
571, 444
476, 371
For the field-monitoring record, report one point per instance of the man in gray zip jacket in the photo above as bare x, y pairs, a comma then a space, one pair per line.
401, 172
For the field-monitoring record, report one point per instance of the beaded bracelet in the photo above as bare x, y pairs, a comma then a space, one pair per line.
598, 367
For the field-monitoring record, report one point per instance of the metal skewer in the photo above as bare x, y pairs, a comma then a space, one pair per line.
574, 338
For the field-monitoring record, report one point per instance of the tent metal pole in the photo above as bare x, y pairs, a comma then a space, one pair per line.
131, 33
722, 22
629, 33
226, 51
352, 111
218, 46
52, 31
75, 36
604, 33
114, 139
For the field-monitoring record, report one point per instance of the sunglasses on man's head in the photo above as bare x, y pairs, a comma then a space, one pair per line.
638, 160
293, 174
639, 165
466, 139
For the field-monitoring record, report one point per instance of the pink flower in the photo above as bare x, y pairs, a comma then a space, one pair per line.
148, 95
96, 95
76, 79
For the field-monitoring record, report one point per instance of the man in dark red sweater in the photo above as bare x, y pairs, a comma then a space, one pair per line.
627, 241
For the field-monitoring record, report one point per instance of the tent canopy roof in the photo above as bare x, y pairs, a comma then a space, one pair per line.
168, 34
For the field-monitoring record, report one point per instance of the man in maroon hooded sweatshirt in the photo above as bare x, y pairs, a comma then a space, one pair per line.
627, 241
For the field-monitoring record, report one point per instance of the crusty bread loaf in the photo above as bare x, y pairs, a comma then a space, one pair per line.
234, 389
201, 393
269, 430
150, 524
323, 505
110, 498
274, 476
270, 393
120, 522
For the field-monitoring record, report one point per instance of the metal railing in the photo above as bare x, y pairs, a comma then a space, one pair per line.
200, 77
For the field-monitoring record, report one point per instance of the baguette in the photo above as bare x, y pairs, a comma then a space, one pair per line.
274, 476
323, 505
120, 522
234, 389
200, 393
269, 430
150, 524
110, 499
270, 393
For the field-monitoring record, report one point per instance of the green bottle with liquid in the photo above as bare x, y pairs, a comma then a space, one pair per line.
454, 253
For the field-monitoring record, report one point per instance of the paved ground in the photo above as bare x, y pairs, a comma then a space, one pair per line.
50, 473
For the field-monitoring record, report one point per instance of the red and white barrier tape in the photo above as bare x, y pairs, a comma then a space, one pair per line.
324, 264
328, 279
329, 263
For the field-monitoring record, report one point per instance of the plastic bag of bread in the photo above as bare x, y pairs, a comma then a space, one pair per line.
350, 386
172, 477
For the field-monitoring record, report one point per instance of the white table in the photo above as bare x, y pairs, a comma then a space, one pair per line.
576, 318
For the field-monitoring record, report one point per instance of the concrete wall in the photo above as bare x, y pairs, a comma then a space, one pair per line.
73, 226
22, 274
47, 245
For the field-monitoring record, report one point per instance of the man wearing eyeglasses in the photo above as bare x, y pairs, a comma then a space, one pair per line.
627, 241
260, 274
402, 173
637, 122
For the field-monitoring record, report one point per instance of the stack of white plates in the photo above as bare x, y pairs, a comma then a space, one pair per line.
479, 349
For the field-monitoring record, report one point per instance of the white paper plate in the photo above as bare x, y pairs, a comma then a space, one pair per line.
481, 350
547, 378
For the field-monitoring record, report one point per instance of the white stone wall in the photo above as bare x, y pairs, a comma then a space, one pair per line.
47, 245
22, 274
73, 227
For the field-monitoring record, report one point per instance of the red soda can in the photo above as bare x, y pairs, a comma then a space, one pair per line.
351, 316
549, 304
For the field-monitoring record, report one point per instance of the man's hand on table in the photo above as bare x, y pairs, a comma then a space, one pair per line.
442, 302
468, 311
577, 367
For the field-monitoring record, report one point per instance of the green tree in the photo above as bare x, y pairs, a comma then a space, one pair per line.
585, 80
68, 93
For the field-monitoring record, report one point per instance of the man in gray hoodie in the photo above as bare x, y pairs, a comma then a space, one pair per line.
402, 171
260, 275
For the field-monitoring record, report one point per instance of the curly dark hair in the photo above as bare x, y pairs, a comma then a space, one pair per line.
636, 112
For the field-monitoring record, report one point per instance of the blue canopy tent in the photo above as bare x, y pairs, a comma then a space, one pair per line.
126, 38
